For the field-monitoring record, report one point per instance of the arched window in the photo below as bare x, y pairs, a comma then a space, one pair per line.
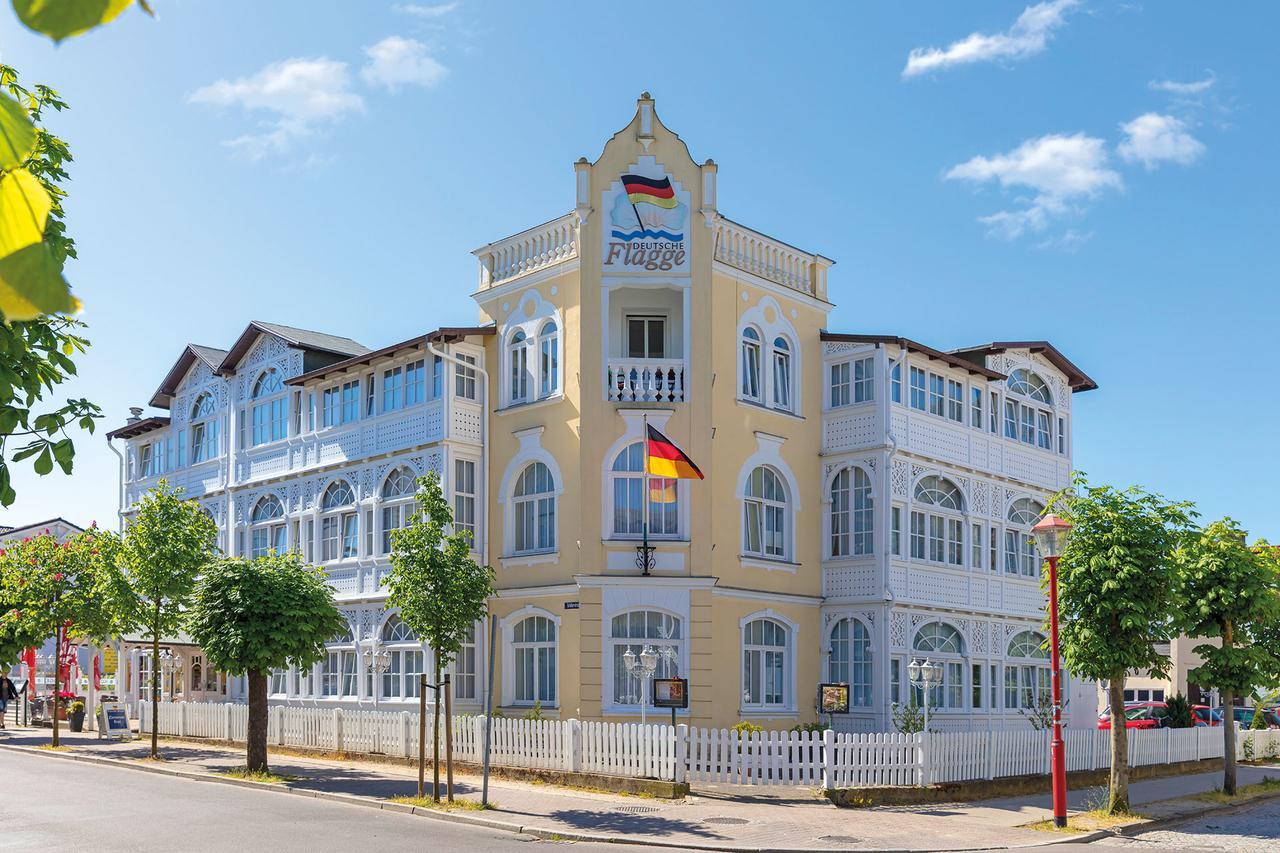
764, 664
549, 359
535, 510
1027, 676
938, 641
637, 498
269, 416
634, 630
1028, 421
518, 367
339, 535
938, 536
534, 643
751, 365
1028, 384
1020, 555
267, 527
852, 515
404, 675
782, 374
398, 503
850, 661
764, 527
204, 429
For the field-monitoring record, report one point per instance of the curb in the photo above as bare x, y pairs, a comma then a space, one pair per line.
507, 826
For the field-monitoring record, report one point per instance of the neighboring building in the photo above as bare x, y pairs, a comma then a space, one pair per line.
59, 528
867, 499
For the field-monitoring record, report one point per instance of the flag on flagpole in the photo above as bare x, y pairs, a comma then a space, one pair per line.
656, 191
664, 459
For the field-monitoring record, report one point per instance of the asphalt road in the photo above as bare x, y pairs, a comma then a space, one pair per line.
51, 804
1255, 829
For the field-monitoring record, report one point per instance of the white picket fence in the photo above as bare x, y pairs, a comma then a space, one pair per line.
692, 754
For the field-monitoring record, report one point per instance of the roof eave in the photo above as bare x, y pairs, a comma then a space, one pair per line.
916, 347
445, 334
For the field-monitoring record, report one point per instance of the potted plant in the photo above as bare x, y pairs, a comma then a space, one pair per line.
77, 716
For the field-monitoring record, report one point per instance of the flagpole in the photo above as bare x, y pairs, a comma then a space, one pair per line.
644, 490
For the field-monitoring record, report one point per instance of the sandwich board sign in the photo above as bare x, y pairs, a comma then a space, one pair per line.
113, 721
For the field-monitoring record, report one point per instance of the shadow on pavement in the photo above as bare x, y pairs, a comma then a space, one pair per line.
631, 824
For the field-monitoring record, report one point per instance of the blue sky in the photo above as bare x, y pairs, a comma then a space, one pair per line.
1100, 175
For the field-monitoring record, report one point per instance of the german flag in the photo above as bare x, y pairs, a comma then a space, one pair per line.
662, 490
664, 459
642, 190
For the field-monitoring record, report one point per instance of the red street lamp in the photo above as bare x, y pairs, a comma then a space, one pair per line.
1051, 534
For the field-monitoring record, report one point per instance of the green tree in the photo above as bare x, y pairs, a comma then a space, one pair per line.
1180, 716
1115, 581
64, 590
1259, 720
440, 590
250, 617
40, 338
170, 542
1229, 590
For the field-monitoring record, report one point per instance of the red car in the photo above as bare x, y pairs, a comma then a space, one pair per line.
1206, 717
1139, 715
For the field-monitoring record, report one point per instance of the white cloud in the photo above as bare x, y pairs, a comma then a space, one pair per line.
1152, 139
299, 93
438, 10
1195, 87
1028, 35
397, 61
1061, 170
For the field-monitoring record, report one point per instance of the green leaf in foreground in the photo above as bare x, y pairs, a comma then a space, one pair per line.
31, 285
17, 134
60, 19
24, 210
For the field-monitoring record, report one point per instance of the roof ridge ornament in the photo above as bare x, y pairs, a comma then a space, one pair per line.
644, 105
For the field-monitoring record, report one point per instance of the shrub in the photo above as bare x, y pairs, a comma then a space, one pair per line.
77, 707
1180, 716
1259, 720
806, 728
743, 728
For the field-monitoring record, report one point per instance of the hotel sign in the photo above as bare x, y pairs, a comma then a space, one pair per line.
647, 222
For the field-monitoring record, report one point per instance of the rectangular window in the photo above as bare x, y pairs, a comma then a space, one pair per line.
1028, 424
144, 461
297, 412
394, 517
368, 533
415, 378
976, 546
975, 408
392, 389
1062, 436
977, 685
464, 497
840, 384
351, 401
937, 399
311, 411
1042, 430
895, 383
994, 688
332, 407
646, 337
1011, 552
370, 397
993, 540
1011, 420
895, 680
917, 389
464, 669
917, 536
464, 378
1011, 688
955, 541
937, 539
308, 541
437, 377
331, 668
330, 529
895, 530
955, 401
993, 413
864, 383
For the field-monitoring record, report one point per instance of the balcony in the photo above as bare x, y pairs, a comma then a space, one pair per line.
645, 380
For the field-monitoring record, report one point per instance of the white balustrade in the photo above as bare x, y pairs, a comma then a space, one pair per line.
539, 247
771, 259
645, 380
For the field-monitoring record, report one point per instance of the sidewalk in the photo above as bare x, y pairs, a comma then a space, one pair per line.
713, 817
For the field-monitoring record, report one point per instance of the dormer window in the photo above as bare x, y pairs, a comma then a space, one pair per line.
1028, 420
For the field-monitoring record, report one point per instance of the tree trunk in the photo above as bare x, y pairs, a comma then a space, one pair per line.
448, 735
1228, 722
1118, 794
256, 740
435, 735
155, 686
57, 680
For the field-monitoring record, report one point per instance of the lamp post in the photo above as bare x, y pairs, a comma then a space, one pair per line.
170, 661
924, 676
641, 666
1051, 534
377, 661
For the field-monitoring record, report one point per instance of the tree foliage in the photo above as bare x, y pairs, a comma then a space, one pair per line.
1230, 590
263, 614
1179, 716
1117, 584
440, 590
